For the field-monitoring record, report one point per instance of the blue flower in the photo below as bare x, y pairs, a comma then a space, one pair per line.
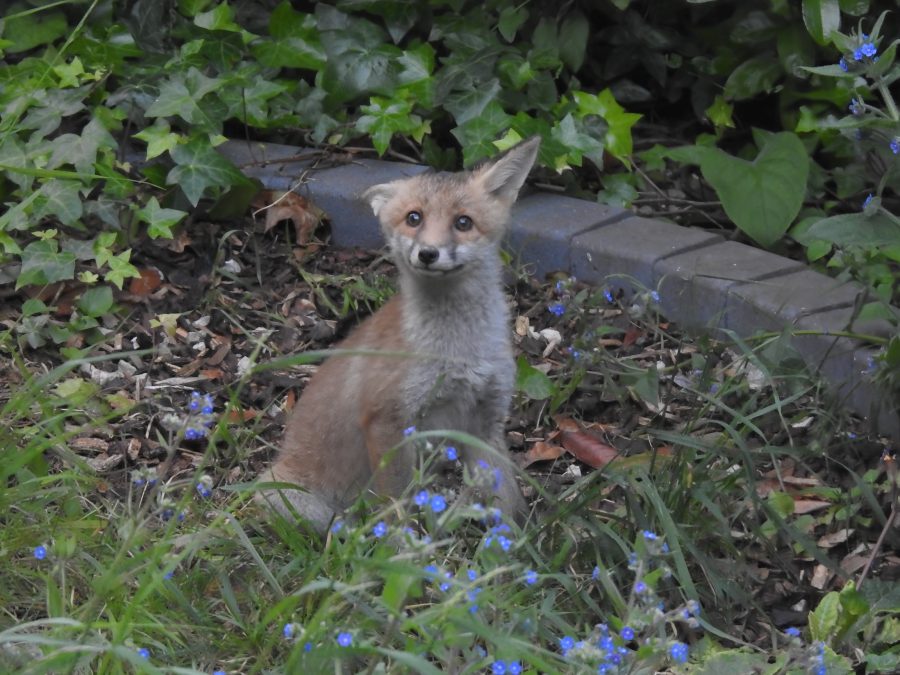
627, 633
679, 652
857, 107
858, 54
289, 630
218, 672
649, 535
868, 49
345, 639
640, 587
514, 668
203, 490
337, 526
308, 647
498, 667
380, 529
421, 498
654, 296
557, 309
820, 670
40, 552
843, 64
409, 431
560, 286
867, 201
792, 631
566, 643
144, 653
194, 433
451, 454
438, 503
895, 145
531, 577
608, 294
472, 575
445, 585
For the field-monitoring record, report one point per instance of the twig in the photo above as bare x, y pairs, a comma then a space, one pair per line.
887, 526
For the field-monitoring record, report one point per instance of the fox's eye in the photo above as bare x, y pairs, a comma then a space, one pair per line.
414, 218
463, 223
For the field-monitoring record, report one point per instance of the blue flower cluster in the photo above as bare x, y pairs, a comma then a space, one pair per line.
437, 503
201, 416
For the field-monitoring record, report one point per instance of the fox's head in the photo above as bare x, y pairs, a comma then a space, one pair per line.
438, 223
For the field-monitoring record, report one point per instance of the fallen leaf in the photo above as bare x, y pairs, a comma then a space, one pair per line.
149, 280
820, 577
802, 506
541, 452
238, 416
631, 336
290, 206
832, 539
588, 449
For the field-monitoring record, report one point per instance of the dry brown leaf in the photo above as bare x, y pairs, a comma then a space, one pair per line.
238, 416
92, 444
820, 577
212, 373
290, 206
588, 449
802, 506
631, 336
149, 280
541, 452
832, 539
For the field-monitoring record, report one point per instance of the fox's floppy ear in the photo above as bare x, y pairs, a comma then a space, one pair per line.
505, 176
379, 195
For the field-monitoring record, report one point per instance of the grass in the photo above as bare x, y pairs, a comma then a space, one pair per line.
660, 561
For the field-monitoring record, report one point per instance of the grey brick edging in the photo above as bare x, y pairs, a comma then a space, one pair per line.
705, 283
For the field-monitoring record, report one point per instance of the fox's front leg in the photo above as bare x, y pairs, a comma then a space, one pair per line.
501, 482
390, 459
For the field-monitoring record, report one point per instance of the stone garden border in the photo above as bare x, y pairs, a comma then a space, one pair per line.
705, 283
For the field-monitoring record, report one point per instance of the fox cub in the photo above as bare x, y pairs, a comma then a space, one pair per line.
449, 363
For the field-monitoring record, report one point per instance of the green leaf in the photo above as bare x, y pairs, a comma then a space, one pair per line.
754, 76
96, 301
180, 95
120, 268
80, 150
60, 199
220, 17
383, 118
618, 140
511, 19
532, 382
573, 136
477, 135
764, 196
43, 263
823, 621
159, 138
398, 586
856, 229
573, 37
159, 220
822, 18
466, 105
719, 113
199, 167
27, 31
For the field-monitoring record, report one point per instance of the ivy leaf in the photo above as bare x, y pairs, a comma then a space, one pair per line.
159, 138
60, 199
761, 197
96, 301
29, 30
295, 43
80, 150
159, 220
120, 268
477, 135
511, 20
383, 118
198, 167
466, 105
43, 263
719, 113
416, 67
618, 135
573, 37
220, 17
181, 94
572, 135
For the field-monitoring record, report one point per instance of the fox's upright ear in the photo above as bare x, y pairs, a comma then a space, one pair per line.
505, 176
379, 195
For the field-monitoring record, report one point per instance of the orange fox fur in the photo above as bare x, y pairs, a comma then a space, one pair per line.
450, 320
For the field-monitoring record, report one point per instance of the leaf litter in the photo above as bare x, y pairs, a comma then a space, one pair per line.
624, 382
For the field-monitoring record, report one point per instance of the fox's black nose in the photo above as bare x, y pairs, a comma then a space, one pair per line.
428, 254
